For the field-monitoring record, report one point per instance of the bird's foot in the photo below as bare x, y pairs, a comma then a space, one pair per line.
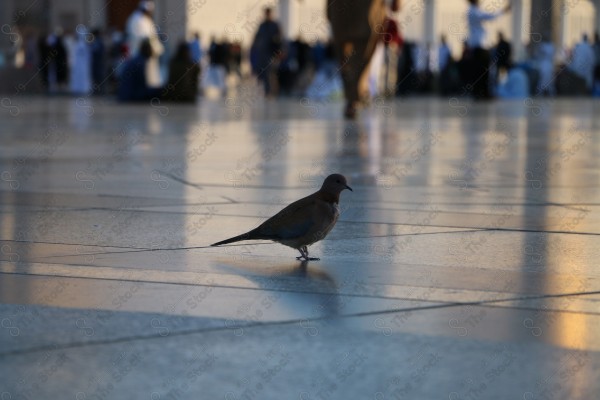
307, 258
304, 255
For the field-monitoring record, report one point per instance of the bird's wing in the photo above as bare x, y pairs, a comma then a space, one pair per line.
292, 222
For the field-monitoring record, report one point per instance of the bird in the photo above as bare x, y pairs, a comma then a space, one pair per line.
302, 223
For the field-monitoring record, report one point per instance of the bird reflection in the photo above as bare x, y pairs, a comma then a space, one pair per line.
297, 283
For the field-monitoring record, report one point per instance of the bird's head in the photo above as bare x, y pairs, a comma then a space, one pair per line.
334, 184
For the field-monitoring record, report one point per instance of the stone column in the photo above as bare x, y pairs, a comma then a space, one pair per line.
547, 22
541, 19
597, 21
284, 14
429, 21
96, 14
171, 19
517, 27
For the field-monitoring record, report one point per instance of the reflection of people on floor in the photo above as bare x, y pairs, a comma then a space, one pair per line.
356, 26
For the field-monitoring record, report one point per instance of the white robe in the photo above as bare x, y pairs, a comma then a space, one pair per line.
80, 81
139, 27
546, 68
583, 61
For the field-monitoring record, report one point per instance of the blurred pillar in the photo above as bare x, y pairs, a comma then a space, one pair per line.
541, 19
97, 14
517, 28
171, 19
285, 17
597, 19
547, 22
558, 20
429, 22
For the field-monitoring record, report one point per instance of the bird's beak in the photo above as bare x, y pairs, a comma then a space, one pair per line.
349, 188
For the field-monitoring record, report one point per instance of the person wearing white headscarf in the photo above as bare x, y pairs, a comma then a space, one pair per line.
140, 26
583, 61
80, 81
480, 63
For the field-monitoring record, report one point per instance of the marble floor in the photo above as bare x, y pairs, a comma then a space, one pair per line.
464, 264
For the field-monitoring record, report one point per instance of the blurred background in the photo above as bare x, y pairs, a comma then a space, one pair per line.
66, 47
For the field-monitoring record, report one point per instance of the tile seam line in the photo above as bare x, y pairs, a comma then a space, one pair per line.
185, 333
230, 200
274, 323
458, 230
141, 249
127, 249
279, 290
322, 293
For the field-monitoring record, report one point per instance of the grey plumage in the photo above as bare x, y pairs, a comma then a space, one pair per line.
303, 222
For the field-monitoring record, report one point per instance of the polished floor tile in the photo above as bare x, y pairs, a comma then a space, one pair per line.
463, 265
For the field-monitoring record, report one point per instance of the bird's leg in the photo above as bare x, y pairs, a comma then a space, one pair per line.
304, 255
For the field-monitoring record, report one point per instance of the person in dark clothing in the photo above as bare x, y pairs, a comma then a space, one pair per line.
61, 60
287, 71
266, 49
224, 55
45, 58
235, 57
217, 71
132, 82
293, 67
356, 26
502, 55
478, 83
407, 77
98, 62
183, 76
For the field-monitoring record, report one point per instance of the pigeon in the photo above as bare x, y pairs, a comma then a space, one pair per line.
303, 222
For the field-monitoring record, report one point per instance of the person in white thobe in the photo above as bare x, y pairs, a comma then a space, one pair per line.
583, 61
140, 26
80, 59
545, 66
480, 63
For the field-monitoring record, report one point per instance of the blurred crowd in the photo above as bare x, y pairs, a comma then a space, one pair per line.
427, 70
140, 64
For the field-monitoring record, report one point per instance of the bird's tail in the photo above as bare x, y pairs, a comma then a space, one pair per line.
238, 238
